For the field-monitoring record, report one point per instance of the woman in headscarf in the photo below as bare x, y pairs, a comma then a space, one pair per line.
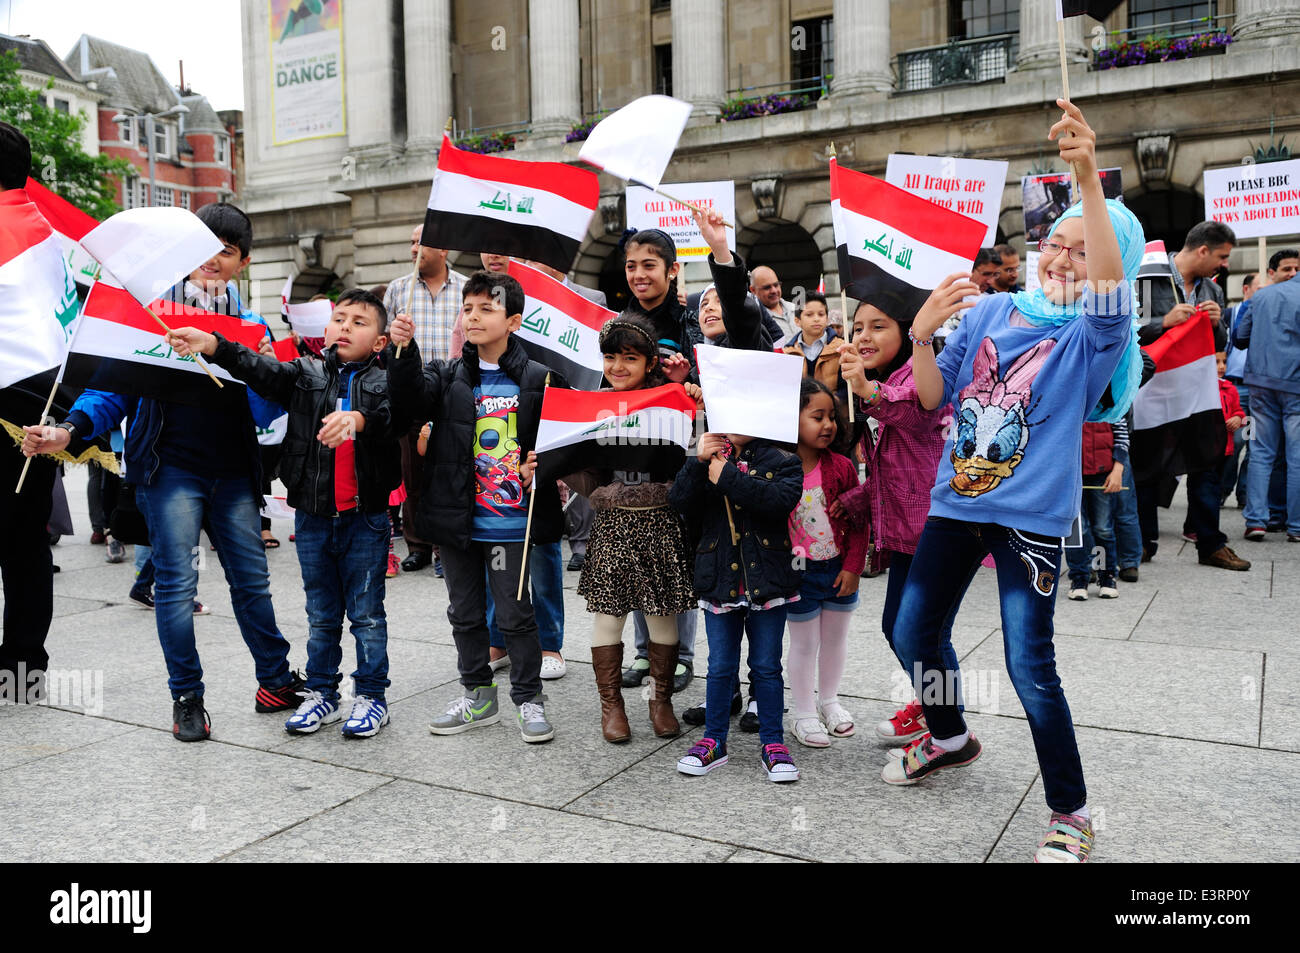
1023, 372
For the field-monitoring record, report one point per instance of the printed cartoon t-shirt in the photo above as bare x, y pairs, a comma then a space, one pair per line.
811, 534
500, 504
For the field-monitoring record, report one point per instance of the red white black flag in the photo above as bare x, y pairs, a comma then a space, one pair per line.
534, 210
561, 328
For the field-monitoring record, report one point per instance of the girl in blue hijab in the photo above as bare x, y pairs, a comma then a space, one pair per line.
1022, 373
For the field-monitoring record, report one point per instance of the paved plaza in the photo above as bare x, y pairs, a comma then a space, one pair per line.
1184, 693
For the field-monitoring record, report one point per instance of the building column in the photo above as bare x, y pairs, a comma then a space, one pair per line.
553, 56
426, 36
700, 56
368, 75
1040, 47
1266, 22
861, 47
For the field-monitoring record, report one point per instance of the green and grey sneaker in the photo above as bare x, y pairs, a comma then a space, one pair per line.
471, 710
532, 721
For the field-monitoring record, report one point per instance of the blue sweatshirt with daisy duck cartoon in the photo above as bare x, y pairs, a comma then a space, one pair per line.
1020, 394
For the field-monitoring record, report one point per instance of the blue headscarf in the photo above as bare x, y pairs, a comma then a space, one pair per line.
1041, 311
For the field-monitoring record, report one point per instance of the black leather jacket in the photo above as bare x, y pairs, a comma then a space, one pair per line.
309, 388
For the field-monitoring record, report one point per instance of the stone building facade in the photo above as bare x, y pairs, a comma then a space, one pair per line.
973, 78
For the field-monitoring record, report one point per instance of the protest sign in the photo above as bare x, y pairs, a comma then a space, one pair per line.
1257, 201
971, 187
647, 209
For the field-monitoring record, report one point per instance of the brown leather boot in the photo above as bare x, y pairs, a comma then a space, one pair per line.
663, 663
607, 660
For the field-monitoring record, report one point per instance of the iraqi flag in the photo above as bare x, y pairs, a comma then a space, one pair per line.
640, 430
1155, 262
71, 224
119, 347
894, 248
1177, 417
38, 304
534, 210
561, 328
1097, 9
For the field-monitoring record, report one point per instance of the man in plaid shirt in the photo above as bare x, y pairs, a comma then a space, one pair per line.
435, 309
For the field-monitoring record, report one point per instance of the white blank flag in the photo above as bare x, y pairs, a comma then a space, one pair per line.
636, 142
148, 250
751, 392
310, 318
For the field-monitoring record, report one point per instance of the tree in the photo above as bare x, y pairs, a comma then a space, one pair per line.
58, 161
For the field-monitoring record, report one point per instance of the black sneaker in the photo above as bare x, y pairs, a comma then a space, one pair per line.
576, 562
280, 699
190, 721
695, 716
141, 597
749, 720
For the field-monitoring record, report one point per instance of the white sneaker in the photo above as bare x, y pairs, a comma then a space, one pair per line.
315, 710
533, 725
1079, 595
553, 667
1108, 592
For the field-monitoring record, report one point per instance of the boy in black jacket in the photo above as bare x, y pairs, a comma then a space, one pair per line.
340, 462
485, 407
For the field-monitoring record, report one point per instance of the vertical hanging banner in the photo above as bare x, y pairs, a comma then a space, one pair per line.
970, 187
307, 99
647, 209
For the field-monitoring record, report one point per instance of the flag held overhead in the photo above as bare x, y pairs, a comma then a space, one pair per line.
636, 142
149, 250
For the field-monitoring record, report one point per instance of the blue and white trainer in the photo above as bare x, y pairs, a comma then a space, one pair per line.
314, 711
367, 717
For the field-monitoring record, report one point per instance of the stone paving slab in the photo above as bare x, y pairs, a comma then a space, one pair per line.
403, 821
1280, 719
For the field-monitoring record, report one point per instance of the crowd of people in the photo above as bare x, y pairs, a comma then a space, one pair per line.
984, 451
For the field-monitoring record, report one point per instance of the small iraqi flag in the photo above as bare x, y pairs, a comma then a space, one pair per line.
1178, 411
644, 430
71, 224
561, 328
1155, 262
895, 248
117, 346
1097, 9
534, 210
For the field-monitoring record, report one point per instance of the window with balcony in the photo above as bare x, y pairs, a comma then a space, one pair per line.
983, 37
1151, 13
812, 51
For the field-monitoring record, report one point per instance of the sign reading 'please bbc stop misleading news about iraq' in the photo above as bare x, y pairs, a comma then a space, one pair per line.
646, 209
1257, 201
306, 70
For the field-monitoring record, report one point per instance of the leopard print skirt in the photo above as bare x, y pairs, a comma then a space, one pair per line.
637, 560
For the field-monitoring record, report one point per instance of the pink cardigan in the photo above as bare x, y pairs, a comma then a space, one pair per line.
901, 465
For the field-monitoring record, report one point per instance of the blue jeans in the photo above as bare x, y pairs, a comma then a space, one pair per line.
1098, 530
1128, 531
343, 559
1235, 473
546, 583
686, 628
766, 630
1028, 566
143, 561
175, 507
1276, 417
900, 565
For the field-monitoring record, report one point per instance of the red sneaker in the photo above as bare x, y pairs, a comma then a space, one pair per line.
394, 565
280, 699
906, 724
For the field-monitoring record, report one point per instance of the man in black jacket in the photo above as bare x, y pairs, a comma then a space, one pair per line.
485, 407
339, 464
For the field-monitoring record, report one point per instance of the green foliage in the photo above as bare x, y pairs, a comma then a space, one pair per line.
58, 162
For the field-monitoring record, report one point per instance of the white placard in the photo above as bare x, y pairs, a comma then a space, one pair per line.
1031, 269
970, 187
755, 393
309, 319
275, 508
646, 209
306, 70
1256, 201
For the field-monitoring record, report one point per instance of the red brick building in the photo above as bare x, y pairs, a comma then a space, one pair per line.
194, 150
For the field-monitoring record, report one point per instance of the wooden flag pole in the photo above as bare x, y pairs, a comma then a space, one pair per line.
528, 525
415, 271
198, 358
1065, 88
49, 402
848, 342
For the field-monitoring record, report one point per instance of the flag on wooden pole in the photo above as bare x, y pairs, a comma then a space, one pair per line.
534, 210
149, 250
71, 225
636, 142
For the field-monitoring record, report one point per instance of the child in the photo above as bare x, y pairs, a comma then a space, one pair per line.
740, 492
637, 557
901, 459
485, 407
1234, 416
340, 498
651, 266
833, 553
1105, 458
816, 343
1024, 371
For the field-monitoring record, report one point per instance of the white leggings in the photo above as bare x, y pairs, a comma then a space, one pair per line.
818, 649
